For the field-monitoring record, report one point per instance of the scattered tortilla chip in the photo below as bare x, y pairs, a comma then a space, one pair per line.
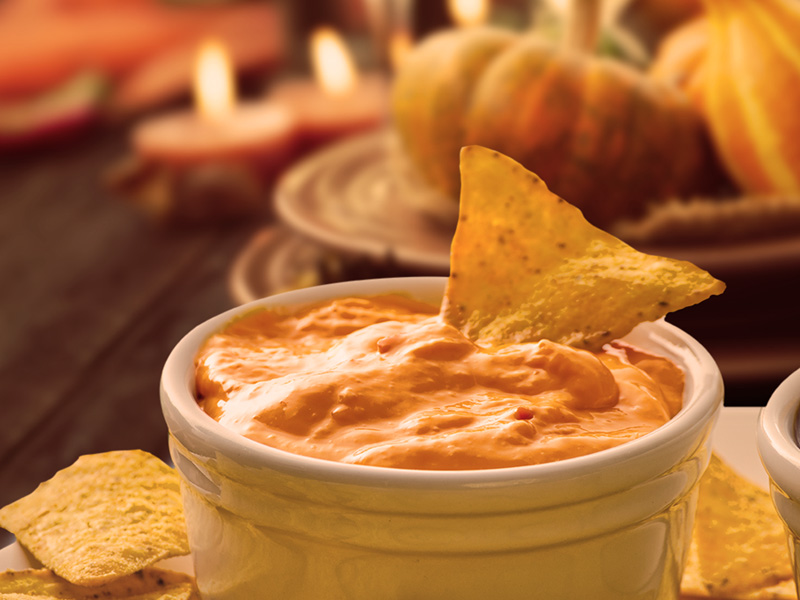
525, 265
105, 516
148, 584
782, 591
739, 549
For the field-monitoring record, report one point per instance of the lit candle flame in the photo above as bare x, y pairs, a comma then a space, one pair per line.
468, 13
333, 65
214, 89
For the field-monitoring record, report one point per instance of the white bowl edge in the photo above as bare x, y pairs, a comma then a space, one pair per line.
192, 427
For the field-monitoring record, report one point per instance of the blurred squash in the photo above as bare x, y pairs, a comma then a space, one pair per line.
604, 136
432, 93
680, 58
752, 91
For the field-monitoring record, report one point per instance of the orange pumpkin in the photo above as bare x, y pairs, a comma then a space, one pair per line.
606, 137
751, 91
432, 93
740, 64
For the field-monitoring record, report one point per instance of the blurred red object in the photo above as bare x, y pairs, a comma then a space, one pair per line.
253, 40
53, 116
43, 43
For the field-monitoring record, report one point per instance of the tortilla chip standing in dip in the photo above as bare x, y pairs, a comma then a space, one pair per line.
519, 366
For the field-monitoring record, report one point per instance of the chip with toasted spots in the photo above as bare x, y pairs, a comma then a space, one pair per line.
105, 516
525, 265
148, 584
738, 549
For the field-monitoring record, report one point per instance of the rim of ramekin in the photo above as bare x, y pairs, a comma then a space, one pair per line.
189, 422
777, 436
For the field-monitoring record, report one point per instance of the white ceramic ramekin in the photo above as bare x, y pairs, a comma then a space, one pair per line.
778, 445
264, 523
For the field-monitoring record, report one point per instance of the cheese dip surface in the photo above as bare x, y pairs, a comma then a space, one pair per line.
385, 381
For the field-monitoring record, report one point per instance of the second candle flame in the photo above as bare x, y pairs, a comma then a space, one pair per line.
333, 65
214, 89
468, 13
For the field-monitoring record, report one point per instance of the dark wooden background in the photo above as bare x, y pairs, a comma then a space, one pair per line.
92, 299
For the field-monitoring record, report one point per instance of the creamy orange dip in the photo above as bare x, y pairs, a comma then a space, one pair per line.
384, 381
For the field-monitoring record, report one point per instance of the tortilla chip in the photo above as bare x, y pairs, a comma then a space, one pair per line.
739, 548
149, 584
782, 591
106, 516
525, 265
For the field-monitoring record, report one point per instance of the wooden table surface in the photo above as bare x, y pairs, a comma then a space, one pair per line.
93, 297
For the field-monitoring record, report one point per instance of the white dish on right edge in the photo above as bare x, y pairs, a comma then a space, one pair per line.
779, 447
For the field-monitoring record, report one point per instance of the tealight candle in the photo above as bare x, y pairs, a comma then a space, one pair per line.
220, 129
338, 101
